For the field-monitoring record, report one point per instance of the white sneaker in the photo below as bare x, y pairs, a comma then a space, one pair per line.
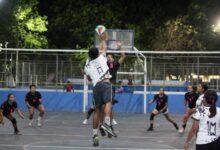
181, 130
39, 122
85, 122
30, 124
114, 122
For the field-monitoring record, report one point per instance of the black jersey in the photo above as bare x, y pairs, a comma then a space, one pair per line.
8, 108
161, 101
113, 68
191, 98
33, 99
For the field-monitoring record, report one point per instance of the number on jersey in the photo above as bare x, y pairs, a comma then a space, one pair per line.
211, 128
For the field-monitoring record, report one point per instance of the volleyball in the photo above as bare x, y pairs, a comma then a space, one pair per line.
100, 29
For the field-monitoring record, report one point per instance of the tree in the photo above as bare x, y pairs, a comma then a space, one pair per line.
176, 34
31, 27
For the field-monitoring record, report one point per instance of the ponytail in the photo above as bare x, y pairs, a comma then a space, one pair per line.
212, 110
211, 98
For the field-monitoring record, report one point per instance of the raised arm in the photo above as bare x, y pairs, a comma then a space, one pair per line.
103, 45
122, 57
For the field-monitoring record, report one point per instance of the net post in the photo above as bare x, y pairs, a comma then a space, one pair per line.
85, 94
145, 85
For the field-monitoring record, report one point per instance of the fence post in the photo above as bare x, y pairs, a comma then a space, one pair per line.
57, 67
198, 70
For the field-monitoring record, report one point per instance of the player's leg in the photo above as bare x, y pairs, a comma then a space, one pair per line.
96, 119
1, 117
14, 123
153, 114
41, 110
31, 115
106, 98
188, 113
167, 116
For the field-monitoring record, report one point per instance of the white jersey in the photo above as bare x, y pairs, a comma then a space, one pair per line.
97, 69
209, 128
199, 101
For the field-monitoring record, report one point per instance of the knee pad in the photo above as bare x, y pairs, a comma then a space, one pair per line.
13, 121
152, 116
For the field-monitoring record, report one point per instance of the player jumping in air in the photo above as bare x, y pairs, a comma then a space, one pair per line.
113, 68
161, 100
33, 101
97, 71
190, 97
7, 109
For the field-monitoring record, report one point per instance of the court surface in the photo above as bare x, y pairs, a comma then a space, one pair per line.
64, 131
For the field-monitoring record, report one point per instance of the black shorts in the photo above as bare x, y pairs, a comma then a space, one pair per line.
215, 145
191, 106
102, 94
35, 105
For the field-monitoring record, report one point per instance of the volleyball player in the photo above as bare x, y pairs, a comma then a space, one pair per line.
190, 98
206, 124
161, 100
113, 68
202, 88
7, 108
97, 71
33, 101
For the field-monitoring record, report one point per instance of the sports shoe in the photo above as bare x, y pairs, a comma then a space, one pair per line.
39, 122
30, 124
181, 130
176, 126
109, 135
17, 132
102, 131
114, 122
150, 129
85, 122
108, 129
95, 140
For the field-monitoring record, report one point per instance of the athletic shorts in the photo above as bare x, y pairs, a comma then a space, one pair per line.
35, 105
215, 145
102, 94
164, 112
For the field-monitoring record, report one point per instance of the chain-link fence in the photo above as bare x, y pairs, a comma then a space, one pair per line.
53, 70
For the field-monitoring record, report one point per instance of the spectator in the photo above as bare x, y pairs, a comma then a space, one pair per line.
69, 87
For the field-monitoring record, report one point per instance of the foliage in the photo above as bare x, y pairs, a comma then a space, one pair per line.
177, 35
31, 26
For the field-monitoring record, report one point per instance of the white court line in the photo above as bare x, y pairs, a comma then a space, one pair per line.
86, 147
86, 136
72, 147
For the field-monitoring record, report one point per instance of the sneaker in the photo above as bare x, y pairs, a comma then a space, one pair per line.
176, 126
109, 135
102, 131
17, 132
30, 124
39, 122
85, 122
150, 129
95, 140
181, 130
108, 129
114, 122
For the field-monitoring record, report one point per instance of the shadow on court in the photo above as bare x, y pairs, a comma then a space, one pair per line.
64, 131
